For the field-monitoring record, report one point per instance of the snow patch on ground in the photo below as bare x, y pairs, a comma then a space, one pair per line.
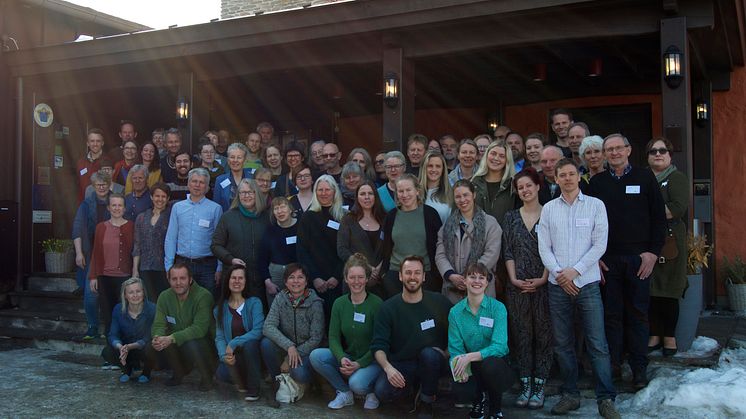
694, 393
702, 347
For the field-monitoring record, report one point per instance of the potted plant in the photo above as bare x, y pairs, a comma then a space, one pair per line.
58, 255
690, 306
735, 282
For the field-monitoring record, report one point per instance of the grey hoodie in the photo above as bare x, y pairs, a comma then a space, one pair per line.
302, 326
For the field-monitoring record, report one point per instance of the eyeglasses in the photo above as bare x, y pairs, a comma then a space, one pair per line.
258, 180
329, 155
394, 167
662, 151
617, 149
380, 161
247, 193
303, 177
102, 185
293, 156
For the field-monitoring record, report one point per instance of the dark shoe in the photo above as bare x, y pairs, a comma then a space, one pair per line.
565, 405
425, 410
272, 399
477, 408
655, 347
78, 292
173, 381
640, 380
607, 410
669, 352
205, 384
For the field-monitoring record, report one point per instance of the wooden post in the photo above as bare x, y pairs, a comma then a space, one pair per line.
398, 122
185, 91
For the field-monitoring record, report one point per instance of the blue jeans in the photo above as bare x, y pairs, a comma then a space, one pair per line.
426, 370
246, 371
90, 299
204, 274
272, 353
626, 301
360, 382
562, 309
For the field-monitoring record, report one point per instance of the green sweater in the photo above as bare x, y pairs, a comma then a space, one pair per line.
185, 320
351, 328
402, 330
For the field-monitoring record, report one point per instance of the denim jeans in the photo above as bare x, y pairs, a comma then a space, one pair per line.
626, 302
181, 359
360, 382
246, 371
272, 358
426, 370
562, 309
90, 299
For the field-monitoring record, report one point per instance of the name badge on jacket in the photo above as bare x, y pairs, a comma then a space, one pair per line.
170, 319
359, 317
486, 322
333, 224
291, 240
427, 324
633, 189
582, 222
225, 183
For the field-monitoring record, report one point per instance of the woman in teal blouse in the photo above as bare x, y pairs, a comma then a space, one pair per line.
350, 332
478, 344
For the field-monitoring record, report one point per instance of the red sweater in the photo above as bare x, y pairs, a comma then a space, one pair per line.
126, 242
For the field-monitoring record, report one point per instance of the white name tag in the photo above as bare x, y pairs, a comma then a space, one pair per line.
633, 189
333, 224
291, 240
170, 319
664, 183
486, 322
359, 317
427, 324
252, 171
83, 171
274, 184
240, 309
346, 207
204, 223
582, 222
225, 183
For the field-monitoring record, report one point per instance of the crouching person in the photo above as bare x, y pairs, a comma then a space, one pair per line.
409, 339
348, 364
478, 345
239, 319
183, 331
293, 328
129, 335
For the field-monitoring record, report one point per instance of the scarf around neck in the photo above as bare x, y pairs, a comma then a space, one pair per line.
662, 176
478, 236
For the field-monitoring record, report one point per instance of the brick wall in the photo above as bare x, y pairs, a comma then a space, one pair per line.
236, 8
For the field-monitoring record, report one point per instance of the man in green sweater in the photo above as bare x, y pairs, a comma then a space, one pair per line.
183, 331
410, 338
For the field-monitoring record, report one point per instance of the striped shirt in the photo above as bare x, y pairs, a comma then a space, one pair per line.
573, 235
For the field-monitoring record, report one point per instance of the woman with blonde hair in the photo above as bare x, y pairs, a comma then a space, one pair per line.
434, 181
361, 156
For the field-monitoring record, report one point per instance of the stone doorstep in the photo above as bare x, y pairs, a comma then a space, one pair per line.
50, 340
54, 301
59, 283
42, 321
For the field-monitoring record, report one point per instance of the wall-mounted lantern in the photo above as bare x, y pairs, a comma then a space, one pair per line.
391, 90
672, 60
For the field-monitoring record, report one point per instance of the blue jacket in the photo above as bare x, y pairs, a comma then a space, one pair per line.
252, 317
224, 192
84, 224
124, 329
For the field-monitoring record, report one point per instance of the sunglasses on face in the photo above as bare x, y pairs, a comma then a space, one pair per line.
662, 151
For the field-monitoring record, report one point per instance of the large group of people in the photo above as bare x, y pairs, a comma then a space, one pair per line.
482, 260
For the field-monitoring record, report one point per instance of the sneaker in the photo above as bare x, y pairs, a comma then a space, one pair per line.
522, 400
565, 405
143, 379
344, 398
108, 366
251, 397
496, 415
124, 378
607, 410
241, 389
371, 402
537, 394
424, 410
477, 408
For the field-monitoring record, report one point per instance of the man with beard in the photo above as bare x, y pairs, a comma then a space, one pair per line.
561, 119
410, 338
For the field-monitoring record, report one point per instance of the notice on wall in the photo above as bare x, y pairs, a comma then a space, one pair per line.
43, 177
42, 217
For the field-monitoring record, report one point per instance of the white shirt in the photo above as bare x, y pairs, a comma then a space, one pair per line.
573, 235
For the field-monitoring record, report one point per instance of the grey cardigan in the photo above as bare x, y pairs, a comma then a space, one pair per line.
302, 326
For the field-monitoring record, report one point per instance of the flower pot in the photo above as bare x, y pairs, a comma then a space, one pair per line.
690, 307
736, 296
59, 263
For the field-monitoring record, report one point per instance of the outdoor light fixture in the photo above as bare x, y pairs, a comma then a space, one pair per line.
540, 72
702, 111
672, 67
391, 90
596, 67
182, 110
492, 124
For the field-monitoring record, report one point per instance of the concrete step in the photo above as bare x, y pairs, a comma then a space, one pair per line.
54, 340
42, 321
52, 301
51, 282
